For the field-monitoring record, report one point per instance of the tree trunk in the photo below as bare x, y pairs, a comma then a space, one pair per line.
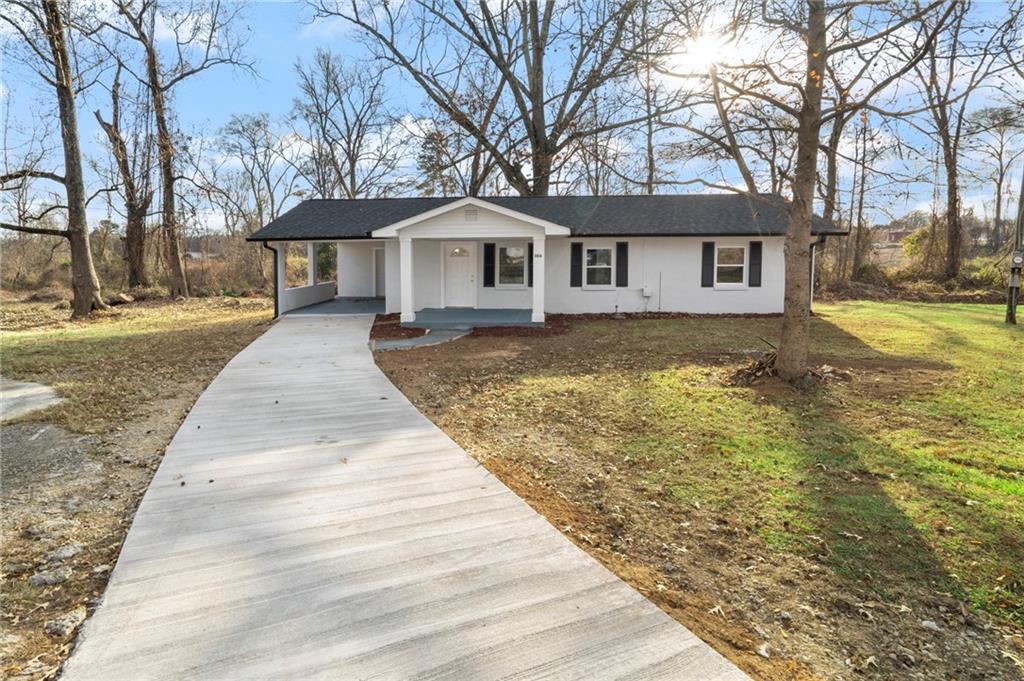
859, 245
136, 201
792, 356
832, 165
135, 248
997, 228
954, 229
165, 145
648, 105
84, 282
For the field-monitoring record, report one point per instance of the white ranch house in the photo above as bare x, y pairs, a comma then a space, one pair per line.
508, 260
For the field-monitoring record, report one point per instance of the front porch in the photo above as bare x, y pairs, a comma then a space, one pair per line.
462, 264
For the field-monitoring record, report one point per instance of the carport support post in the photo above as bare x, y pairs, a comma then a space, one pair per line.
538, 280
281, 272
310, 263
405, 272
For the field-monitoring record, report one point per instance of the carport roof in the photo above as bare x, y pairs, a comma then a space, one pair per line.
636, 215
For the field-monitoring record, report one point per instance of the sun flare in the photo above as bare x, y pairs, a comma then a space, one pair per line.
697, 55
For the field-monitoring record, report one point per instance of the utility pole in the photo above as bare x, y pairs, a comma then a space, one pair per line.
1016, 260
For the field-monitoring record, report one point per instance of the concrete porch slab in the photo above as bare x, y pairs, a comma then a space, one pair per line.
464, 318
342, 306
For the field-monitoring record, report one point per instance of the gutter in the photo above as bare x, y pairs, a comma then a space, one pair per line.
276, 292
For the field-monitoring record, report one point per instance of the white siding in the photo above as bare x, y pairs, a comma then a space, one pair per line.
301, 296
355, 268
480, 223
670, 267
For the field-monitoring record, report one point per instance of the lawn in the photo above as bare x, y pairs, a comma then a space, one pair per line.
842, 526
117, 365
73, 474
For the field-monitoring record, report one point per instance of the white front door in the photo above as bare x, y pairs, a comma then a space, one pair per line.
459, 259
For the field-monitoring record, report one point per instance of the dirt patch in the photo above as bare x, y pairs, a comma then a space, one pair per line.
388, 327
555, 325
65, 494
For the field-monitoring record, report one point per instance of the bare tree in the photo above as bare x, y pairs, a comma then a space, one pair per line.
204, 36
132, 150
996, 136
355, 142
436, 43
796, 91
964, 60
45, 30
452, 161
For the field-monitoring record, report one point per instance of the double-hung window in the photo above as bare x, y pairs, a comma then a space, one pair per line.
598, 267
511, 265
730, 266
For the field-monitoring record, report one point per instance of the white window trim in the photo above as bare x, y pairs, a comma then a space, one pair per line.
526, 264
593, 245
729, 286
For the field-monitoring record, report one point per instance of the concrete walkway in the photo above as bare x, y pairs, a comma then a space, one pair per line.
308, 522
431, 337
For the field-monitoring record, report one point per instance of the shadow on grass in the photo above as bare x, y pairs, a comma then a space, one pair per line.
877, 514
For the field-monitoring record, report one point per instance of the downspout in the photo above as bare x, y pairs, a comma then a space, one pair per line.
820, 241
276, 292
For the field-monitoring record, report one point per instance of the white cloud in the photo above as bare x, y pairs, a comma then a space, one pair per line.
325, 27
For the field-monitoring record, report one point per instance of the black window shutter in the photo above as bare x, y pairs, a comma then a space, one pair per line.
622, 263
529, 264
754, 278
707, 264
576, 264
489, 265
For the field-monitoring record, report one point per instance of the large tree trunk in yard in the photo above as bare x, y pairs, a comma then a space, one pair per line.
135, 249
792, 356
165, 146
84, 282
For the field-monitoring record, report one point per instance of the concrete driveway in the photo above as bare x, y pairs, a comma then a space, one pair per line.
308, 522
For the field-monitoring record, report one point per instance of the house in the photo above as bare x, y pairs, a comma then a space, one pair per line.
514, 259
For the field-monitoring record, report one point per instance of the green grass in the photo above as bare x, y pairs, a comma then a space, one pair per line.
910, 474
113, 367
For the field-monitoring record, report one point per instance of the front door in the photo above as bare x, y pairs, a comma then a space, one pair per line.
459, 273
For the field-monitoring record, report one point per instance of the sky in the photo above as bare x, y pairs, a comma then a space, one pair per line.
280, 33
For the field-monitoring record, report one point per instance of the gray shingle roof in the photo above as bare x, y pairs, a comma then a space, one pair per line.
637, 215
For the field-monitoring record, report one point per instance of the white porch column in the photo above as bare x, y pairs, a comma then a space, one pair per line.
538, 280
310, 263
405, 273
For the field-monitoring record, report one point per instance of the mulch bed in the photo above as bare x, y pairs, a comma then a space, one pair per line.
388, 327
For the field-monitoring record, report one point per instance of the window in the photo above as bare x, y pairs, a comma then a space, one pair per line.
459, 252
729, 265
511, 265
598, 267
